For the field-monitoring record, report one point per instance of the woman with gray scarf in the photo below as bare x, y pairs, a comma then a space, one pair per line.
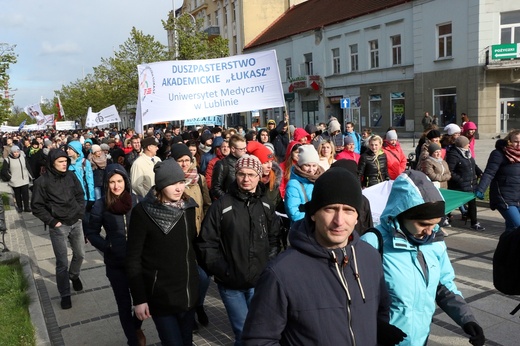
16, 164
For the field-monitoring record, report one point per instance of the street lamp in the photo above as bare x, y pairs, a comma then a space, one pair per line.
175, 41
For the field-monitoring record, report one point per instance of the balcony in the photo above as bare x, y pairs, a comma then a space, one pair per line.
212, 31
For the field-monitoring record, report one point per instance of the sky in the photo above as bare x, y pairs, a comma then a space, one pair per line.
59, 41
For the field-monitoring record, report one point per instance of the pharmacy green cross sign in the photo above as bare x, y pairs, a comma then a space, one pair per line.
505, 51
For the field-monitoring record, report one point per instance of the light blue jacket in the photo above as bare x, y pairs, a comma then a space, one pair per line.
295, 196
78, 166
413, 292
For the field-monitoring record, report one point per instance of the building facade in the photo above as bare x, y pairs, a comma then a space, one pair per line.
384, 63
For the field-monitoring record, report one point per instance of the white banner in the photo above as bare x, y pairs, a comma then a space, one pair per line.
6, 128
65, 125
177, 90
34, 127
378, 196
34, 111
212, 120
105, 116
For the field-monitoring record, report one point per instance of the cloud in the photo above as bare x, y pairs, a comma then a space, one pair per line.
60, 48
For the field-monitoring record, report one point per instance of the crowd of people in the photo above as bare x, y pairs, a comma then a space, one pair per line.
274, 216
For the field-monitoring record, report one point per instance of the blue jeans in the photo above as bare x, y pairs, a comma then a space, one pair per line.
130, 323
204, 281
176, 329
237, 305
512, 217
59, 237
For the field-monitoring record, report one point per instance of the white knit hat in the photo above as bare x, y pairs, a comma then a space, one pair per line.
391, 135
95, 148
452, 129
307, 154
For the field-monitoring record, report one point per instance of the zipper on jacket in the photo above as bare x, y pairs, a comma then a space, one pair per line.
126, 230
187, 260
154, 281
343, 281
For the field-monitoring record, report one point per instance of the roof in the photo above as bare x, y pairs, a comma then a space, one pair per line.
314, 14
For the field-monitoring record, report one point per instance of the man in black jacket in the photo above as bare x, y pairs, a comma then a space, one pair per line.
240, 234
224, 170
58, 201
328, 288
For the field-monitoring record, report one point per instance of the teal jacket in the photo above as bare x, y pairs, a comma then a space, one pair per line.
415, 288
298, 191
83, 171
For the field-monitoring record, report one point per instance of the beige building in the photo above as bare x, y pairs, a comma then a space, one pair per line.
239, 21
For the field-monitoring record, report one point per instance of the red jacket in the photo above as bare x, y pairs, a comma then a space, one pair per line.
395, 158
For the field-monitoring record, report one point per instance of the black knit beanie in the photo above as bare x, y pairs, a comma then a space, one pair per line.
167, 172
179, 150
335, 186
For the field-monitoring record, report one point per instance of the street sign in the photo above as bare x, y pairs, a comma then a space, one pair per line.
344, 103
505, 51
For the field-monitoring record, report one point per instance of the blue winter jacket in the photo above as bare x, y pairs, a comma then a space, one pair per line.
295, 196
413, 292
83, 171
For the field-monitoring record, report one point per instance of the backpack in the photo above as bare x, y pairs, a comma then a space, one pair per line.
506, 264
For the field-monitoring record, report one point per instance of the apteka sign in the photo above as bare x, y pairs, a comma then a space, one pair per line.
184, 89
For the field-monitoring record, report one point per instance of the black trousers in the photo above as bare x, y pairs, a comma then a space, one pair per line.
21, 194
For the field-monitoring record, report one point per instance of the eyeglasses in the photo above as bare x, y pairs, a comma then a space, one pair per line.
243, 175
240, 149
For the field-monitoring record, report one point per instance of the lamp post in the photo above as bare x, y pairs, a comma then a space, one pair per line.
174, 41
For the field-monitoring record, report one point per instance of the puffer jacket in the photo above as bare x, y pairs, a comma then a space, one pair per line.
463, 170
19, 168
297, 192
395, 159
414, 292
372, 170
503, 179
436, 170
223, 175
300, 298
239, 234
113, 245
83, 170
161, 264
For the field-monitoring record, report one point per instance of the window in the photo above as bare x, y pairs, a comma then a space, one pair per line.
444, 41
234, 11
445, 105
308, 64
396, 49
288, 68
310, 112
374, 105
335, 61
374, 53
354, 62
217, 14
397, 104
510, 27
208, 18
225, 15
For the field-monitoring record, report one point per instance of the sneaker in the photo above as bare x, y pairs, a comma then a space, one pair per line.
478, 227
445, 223
202, 317
66, 303
76, 284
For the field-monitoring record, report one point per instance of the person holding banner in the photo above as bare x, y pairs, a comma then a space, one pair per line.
280, 138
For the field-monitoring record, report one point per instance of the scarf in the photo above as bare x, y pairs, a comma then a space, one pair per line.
465, 152
99, 162
512, 154
179, 204
311, 178
122, 205
33, 151
192, 176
